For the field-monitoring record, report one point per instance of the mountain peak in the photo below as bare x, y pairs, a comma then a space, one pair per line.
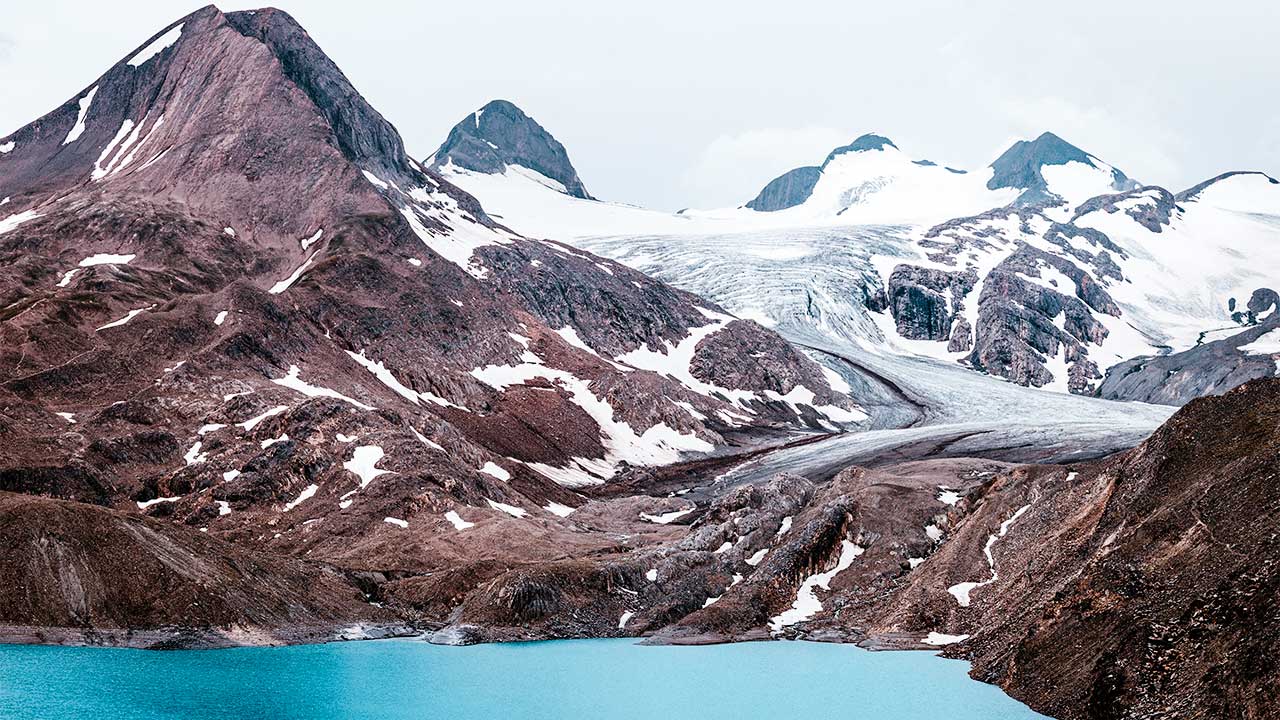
1022, 165
863, 143
500, 134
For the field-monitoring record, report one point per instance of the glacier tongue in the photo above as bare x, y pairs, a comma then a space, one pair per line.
811, 285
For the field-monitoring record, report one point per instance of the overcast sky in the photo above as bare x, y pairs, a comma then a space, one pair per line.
675, 104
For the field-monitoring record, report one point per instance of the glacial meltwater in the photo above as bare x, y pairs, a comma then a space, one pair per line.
596, 679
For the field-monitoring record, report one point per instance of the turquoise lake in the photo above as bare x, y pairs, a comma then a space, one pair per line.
563, 679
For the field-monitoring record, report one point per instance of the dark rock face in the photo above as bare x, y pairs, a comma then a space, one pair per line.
1153, 215
863, 143
1088, 591
926, 302
1162, 577
1017, 320
1211, 368
1019, 167
795, 186
500, 134
787, 190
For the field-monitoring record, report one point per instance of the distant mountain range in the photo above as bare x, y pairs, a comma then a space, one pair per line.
1049, 267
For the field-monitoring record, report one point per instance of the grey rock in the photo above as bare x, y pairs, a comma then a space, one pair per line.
500, 134
1020, 167
787, 190
1211, 368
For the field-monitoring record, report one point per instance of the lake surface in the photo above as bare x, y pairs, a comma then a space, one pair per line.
562, 679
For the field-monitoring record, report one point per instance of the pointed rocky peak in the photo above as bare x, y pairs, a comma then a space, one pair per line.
869, 142
1023, 165
500, 135
226, 112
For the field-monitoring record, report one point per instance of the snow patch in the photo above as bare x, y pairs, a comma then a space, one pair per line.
496, 470
293, 278
305, 495
78, 129
807, 604
363, 464
156, 46
458, 523
939, 639
666, 518
293, 382
962, 591
511, 510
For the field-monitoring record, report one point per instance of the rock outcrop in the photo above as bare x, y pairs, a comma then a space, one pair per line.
500, 135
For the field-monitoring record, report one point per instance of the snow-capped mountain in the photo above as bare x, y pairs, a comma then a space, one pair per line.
1050, 170
1046, 268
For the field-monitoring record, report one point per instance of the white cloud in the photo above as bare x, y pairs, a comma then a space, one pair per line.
733, 167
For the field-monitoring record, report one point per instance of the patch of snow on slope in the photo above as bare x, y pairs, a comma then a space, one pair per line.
7, 148
1266, 344
107, 259
396, 521
99, 171
458, 523
128, 316
962, 591
308, 242
364, 464
386, 377
293, 382
940, 639
252, 422
807, 604
293, 278
496, 470
78, 129
14, 221
558, 510
156, 46
511, 510
658, 445
307, 493
666, 518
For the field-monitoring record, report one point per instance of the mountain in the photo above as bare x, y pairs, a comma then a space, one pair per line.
871, 180
1048, 269
883, 185
1054, 296
232, 301
1050, 169
499, 138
